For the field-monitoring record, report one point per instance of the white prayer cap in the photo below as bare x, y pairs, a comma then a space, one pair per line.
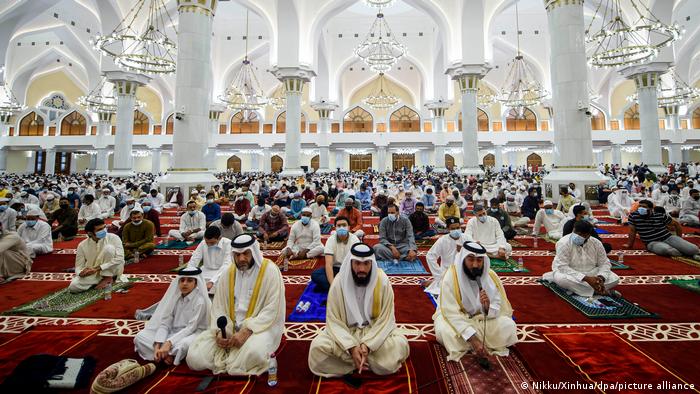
130, 198
106, 189
547, 202
50, 197
34, 212
306, 209
137, 209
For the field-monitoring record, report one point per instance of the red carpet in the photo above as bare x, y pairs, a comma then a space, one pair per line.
601, 355
182, 379
124, 305
403, 381
20, 292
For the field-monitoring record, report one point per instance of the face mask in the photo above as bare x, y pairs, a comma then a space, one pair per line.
191, 213
577, 239
305, 220
31, 223
146, 208
101, 234
494, 210
696, 198
449, 204
392, 218
482, 219
3, 208
137, 223
341, 231
642, 211
455, 234
105, 196
549, 211
65, 206
210, 201
130, 206
585, 217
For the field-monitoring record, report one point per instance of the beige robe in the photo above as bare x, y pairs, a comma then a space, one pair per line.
265, 318
107, 253
329, 355
452, 323
14, 255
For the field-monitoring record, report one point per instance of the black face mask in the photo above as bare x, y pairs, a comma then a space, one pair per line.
362, 282
473, 273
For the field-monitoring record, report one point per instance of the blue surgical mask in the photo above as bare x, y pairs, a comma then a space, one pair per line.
31, 223
3, 208
130, 206
210, 201
305, 220
146, 208
549, 211
191, 213
342, 231
392, 218
455, 234
642, 211
482, 219
577, 239
101, 234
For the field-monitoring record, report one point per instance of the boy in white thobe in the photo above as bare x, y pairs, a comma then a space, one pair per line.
211, 256
487, 231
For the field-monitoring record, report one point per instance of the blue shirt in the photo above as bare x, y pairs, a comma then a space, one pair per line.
296, 206
428, 199
212, 212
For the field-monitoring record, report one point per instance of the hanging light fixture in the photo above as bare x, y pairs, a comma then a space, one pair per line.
149, 51
521, 88
379, 3
9, 105
381, 99
380, 50
484, 98
98, 102
673, 91
245, 94
619, 43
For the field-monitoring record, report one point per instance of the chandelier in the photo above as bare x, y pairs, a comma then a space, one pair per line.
244, 93
9, 105
673, 91
521, 88
379, 3
380, 50
98, 102
149, 51
382, 98
618, 43
484, 97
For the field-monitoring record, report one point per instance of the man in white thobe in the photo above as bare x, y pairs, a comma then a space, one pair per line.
8, 216
212, 256
552, 219
487, 231
90, 210
304, 240
360, 332
36, 234
581, 264
181, 315
619, 204
157, 200
444, 250
512, 208
192, 224
107, 203
98, 260
690, 208
464, 304
250, 298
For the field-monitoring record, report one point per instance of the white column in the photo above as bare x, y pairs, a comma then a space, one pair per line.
93, 163
293, 79
125, 86
102, 161
31, 162
673, 118
438, 108
155, 160
339, 160
675, 153
50, 166
73, 163
3, 160
324, 110
647, 78
512, 158
381, 159
498, 156
599, 157
215, 112
193, 83
616, 154
685, 154
5, 125
254, 162
267, 164
573, 145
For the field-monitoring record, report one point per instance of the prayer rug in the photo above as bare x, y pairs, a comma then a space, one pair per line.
440, 230
601, 231
603, 357
316, 311
687, 260
688, 284
510, 265
278, 245
62, 303
507, 375
402, 267
433, 298
305, 264
425, 242
176, 245
326, 228
181, 379
616, 265
546, 238
600, 307
402, 382
517, 244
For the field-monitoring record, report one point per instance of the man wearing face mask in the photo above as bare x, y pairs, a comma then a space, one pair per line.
354, 216
652, 227
273, 226
660, 195
192, 224
581, 264
14, 255
241, 208
552, 220
464, 304
517, 219
36, 234
8, 216
421, 223
99, 259
157, 200
125, 214
304, 240
444, 250
581, 213
213, 256
396, 240
619, 204
67, 219
107, 203
138, 236
211, 210
337, 247
151, 214
531, 204
486, 231
256, 214
495, 211
690, 208
446, 210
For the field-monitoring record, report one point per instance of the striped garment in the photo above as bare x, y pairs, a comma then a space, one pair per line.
651, 228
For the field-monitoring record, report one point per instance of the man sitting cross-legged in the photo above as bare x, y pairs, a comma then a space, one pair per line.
36, 233
304, 239
14, 255
98, 260
464, 304
138, 236
581, 264
211, 255
552, 220
67, 219
421, 223
486, 231
228, 225
337, 247
444, 249
360, 332
192, 224
181, 315
396, 241
250, 298
273, 226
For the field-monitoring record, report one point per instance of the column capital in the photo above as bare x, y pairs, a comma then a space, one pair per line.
551, 4
215, 111
5, 118
671, 110
438, 107
126, 83
206, 7
293, 78
105, 116
646, 75
468, 75
324, 108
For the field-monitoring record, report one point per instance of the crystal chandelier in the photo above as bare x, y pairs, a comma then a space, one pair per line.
9, 105
484, 97
149, 51
380, 50
379, 3
244, 93
521, 88
618, 43
98, 102
672, 92
278, 103
381, 99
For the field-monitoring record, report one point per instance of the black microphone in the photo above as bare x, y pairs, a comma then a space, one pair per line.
483, 362
221, 322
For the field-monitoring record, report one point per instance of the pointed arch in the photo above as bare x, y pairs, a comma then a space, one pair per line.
31, 124
141, 123
358, 120
696, 118
315, 162
482, 120
525, 121
449, 162
598, 119
534, 162
281, 123
233, 164
489, 160
404, 119
74, 124
240, 124
276, 163
631, 117
170, 124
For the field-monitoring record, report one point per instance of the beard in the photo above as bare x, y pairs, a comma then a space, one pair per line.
362, 282
243, 267
472, 273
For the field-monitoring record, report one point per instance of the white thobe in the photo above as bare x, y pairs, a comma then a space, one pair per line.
444, 249
89, 212
107, 205
553, 223
619, 206
188, 223
305, 237
689, 211
211, 260
572, 263
319, 213
37, 238
8, 218
489, 234
107, 253
157, 202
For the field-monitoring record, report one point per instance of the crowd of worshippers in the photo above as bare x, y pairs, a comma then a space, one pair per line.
226, 310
